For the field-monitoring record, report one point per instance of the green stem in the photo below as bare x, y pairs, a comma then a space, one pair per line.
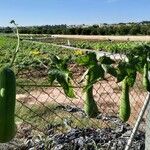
17, 48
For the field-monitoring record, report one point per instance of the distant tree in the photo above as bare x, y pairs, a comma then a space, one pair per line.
94, 32
72, 31
95, 26
135, 30
8, 30
86, 31
123, 30
79, 31
148, 31
130, 28
102, 31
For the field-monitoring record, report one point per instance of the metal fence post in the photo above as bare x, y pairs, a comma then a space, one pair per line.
147, 134
147, 129
141, 114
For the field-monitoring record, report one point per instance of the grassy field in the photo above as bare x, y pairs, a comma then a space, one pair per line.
30, 53
119, 44
57, 116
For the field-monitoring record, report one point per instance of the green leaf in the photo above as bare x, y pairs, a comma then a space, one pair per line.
12, 22
63, 79
60, 63
130, 68
56, 60
106, 60
59, 71
131, 79
94, 73
52, 74
110, 69
141, 61
121, 71
65, 82
126, 69
87, 60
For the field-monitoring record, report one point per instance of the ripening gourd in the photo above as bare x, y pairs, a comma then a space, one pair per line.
146, 82
124, 110
90, 106
7, 104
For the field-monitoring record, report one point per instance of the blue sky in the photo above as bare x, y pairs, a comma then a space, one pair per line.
41, 12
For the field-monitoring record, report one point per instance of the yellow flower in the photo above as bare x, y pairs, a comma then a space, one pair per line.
78, 52
35, 52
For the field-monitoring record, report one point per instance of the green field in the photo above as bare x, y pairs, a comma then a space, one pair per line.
34, 56
30, 53
112, 46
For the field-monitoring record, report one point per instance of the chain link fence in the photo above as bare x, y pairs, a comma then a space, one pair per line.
47, 119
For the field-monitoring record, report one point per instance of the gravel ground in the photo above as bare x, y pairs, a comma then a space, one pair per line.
78, 139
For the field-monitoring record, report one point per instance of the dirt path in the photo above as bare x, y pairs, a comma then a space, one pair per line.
105, 37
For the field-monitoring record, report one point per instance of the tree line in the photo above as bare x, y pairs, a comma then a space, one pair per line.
142, 28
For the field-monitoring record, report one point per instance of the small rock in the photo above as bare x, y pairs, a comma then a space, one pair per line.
127, 134
58, 147
121, 129
29, 143
32, 148
72, 109
80, 141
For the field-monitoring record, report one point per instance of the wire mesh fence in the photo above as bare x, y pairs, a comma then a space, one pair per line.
48, 119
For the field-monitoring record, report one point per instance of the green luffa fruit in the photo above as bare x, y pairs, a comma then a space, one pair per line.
7, 104
90, 106
124, 110
146, 82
